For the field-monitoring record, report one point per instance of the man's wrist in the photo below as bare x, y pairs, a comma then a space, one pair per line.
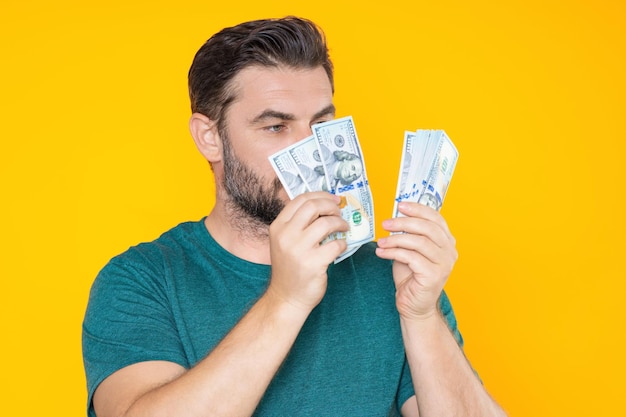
284, 309
423, 323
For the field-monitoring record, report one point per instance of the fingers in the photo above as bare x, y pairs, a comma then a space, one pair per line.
331, 249
313, 204
420, 221
424, 235
405, 256
402, 248
425, 212
309, 219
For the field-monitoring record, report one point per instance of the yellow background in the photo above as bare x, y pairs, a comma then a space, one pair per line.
96, 157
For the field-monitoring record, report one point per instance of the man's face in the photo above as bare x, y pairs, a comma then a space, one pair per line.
274, 108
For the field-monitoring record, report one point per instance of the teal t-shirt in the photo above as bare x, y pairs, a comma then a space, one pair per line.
175, 298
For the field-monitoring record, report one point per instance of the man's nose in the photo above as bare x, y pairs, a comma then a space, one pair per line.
302, 131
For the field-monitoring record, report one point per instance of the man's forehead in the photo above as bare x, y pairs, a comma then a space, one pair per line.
281, 83
292, 94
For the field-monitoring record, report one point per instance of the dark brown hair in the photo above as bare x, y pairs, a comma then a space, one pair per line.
291, 41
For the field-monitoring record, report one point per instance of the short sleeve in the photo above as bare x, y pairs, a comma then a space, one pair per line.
406, 389
445, 307
128, 320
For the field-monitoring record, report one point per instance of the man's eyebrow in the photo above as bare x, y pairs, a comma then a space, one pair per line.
272, 114
275, 114
326, 111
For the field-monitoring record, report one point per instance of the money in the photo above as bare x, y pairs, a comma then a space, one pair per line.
309, 163
341, 155
433, 158
406, 167
331, 160
444, 162
288, 173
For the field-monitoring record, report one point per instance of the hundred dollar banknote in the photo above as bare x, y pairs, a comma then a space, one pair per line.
415, 146
288, 173
308, 162
424, 167
341, 155
433, 158
408, 155
444, 162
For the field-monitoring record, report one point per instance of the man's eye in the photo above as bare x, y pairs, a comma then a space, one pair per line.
322, 121
275, 128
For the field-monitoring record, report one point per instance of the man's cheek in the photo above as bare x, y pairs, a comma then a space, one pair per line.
283, 196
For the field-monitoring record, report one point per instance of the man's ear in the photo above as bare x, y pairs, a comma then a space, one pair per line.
206, 137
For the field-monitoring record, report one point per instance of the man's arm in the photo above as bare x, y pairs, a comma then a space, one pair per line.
445, 384
245, 361
240, 367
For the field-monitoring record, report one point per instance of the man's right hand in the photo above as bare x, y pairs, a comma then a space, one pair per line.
299, 260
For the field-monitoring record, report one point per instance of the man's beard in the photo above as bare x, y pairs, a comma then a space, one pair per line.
249, 197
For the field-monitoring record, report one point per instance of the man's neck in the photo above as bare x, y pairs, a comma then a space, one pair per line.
239, 235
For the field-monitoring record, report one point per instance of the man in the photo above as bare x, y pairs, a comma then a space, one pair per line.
241, 314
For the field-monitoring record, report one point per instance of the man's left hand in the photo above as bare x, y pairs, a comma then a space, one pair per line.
424, 254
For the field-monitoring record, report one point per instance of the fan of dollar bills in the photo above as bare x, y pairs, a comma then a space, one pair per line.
331, 160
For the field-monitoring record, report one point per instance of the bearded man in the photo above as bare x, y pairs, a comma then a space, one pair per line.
244, 313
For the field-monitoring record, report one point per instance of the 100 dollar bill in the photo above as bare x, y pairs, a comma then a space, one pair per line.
288, 174
341, 155
444, 162
309, 164
432, 158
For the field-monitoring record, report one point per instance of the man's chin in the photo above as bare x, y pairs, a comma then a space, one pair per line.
271, 212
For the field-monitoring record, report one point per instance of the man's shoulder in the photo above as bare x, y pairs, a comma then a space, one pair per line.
175, 238
152, 255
